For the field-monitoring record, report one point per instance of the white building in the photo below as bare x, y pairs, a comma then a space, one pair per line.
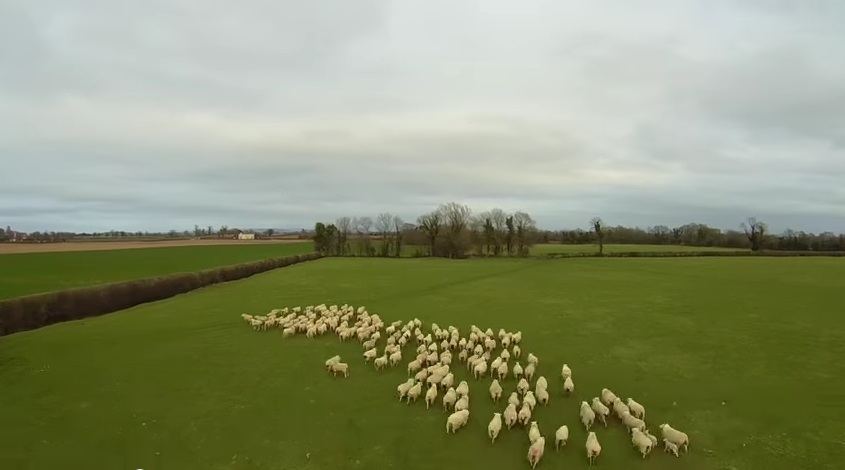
246, 236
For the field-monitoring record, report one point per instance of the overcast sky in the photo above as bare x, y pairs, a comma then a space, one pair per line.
165, 113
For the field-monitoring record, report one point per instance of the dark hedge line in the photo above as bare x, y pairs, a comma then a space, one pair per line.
34, 311
688, 254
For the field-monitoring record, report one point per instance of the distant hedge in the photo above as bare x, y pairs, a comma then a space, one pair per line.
688, 254
34, 311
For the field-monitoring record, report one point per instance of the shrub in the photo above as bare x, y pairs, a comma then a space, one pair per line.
34, 311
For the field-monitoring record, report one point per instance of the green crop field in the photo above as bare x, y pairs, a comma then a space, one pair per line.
32, 273
740, 353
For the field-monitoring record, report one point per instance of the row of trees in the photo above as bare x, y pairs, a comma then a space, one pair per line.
8, 235
450, 231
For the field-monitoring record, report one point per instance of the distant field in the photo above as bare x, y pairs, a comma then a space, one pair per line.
31, 273
620, 248
97, 244
744, 354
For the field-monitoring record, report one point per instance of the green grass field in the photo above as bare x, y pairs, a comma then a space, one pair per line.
738, 352
32, 273
544, 248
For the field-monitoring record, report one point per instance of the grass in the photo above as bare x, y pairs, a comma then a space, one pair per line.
542, 249
740, 353
32, 273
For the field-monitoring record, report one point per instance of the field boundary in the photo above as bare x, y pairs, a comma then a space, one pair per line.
688, 254
35, 311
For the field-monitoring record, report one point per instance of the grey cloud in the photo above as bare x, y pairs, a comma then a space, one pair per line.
161, 114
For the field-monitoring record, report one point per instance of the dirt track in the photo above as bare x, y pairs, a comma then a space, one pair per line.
6, 248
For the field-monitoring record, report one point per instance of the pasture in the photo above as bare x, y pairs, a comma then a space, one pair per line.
32, 273
740, 353
545, 248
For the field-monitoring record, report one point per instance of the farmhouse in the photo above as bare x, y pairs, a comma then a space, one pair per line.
246, 236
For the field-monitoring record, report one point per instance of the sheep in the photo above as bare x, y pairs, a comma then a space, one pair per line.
414, 366
680, 439
530, 399
463, 355
380, 362
541, 383
517, 337
588, 416
670, 447
522, 386
414, 392
636, 409
480, 369
421, 376
601, 411
495, 390
524, 414
619, 408
517, 370
631, 422
652, 437
607, 397
533, 432
535, 451
514, 399
494, 366
332, 360
494, 427
448, 381
561, 436
517, 351
449, 399
462, 404
457, 420
565, 372
340, 367
369, 344
532, 359
404, 387
370, 354
430, 395
529, 371
641, 442
542, 396
510, 415
505, 355
593, 447
502, 370
463, 388
289, 332
568, 385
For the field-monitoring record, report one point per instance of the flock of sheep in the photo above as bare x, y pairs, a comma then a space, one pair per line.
431, 368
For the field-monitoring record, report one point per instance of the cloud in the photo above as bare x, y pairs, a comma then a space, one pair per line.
160, 115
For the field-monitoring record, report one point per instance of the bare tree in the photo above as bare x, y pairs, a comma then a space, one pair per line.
430, 225
598, 227
398, 226
755, 231
525, 230
344, 226
384, 225
364, 226
456, 218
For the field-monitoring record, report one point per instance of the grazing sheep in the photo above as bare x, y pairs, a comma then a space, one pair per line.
568, 385
449, 399
340, 367
414, 366
462, 404
588, 416
530, 399
674, 436
670, 447
533, 432
404, 387
524, 415
641, 442
421, 376
448, 381
541, 383
532, 359
636, 409
430, 395
505, 354
514, 399
601, 411
380, 362
652, 437
631, 422
542, 396
565, 372
517, 351
529, 371
535, 451
414, 392
510, 415
593, 447
517, 370
561, 436
332, 360
463, 388
495, 390
494, 427
607, 397
502, 370
619, 408
457, 420
370, 354
522, 386
517, 337
480, 369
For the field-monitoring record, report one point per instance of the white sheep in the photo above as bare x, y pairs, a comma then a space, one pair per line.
636, 409
541, 383
414, 392
524, 415
542, 396
517, 351
533, 432
332, 360
529, 371
565, 372
674, 436
502, 370
517, 370
670, 447
568, 385
380, 362
449, 399
652, 437
632, 422
532, 359
480, 369
494, 427
588, 416
505, 355
463, 388
495, 390
619, 408
414, 366
593, 447
404, 387
535, 451
510, 415
421, 376
514, 399
522, 386
462, 403
457, 420
607, 397
517, 337
430, 396
641, 442
370, 354
448, 381
340, 367
530, 399
601, 411
561, 436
